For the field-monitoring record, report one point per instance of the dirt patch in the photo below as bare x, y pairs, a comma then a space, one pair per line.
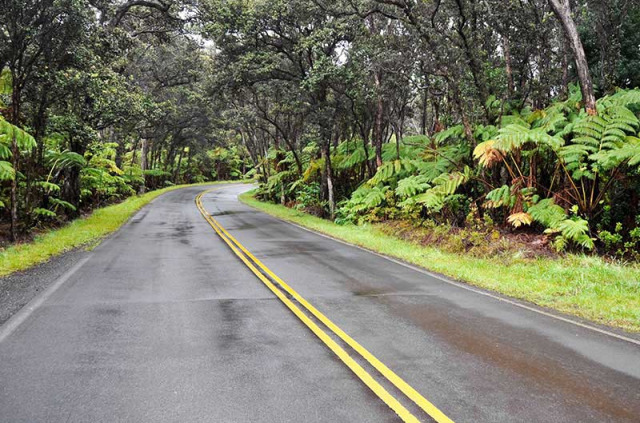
477, 242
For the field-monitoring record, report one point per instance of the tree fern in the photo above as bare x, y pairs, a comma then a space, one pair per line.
412, 185
444, 186
9, 133
454, 132
500, 197
48, 186
356, 157
7, 172
5, 151
42, 212
392, 170
519, 219
65, 159
56, 202
313, 168
547, 213
576, 230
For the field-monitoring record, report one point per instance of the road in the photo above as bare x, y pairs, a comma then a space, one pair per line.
164, 323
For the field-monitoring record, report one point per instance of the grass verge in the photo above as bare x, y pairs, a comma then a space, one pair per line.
86, 231
585, 286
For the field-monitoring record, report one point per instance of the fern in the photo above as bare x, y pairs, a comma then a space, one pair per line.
576, 230
547, 213
357, 157
48, 186
455, 132
554, 218
313, 168
626, 98
630, 151
519, 219
9, 133
65, 159
392, 170
444, 186
412, 185
7, 172
56, 202
500, 197
365, 198
39, 211
5, 151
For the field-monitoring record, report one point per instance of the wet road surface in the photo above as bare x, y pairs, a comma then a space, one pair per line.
163, 323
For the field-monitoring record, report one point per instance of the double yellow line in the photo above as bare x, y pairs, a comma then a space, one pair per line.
261, 271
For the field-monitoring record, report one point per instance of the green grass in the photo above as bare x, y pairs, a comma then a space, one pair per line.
87, 231
584, 286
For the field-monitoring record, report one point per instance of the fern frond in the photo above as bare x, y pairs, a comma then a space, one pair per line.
519, 219
500, 197
547, 212
391, 170
61, 203
5, 151
7, 172
39, 211
48, 186
451, 133
412, 185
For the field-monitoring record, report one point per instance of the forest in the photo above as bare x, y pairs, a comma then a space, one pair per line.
488, 118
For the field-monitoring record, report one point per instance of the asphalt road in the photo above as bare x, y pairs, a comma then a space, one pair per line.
163, 323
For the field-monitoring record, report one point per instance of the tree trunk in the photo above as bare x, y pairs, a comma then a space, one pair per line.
565, 73
15, 156
563, 13
71, 186
14, 190
176, 173
377, 132
509, 68
423, 119
143, 164
328, 173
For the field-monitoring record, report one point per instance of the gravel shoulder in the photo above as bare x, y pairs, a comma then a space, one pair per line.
18, 288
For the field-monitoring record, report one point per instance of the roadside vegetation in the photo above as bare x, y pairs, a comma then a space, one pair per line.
100, 101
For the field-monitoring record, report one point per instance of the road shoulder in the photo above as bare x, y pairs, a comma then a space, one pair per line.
17, 289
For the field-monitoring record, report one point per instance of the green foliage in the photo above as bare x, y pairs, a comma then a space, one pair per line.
500, 197
412, 186
10, 133
547, 213
65, 159
621, 242
7, 171
565, 229
41, 212
392, 170
444, 186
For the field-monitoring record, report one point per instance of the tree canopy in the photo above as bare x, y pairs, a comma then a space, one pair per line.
524, 113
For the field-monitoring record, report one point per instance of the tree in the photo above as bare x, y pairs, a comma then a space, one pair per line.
562, 10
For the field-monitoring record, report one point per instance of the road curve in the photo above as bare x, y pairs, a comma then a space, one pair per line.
163, 323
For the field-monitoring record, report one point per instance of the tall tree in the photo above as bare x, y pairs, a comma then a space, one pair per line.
562, 10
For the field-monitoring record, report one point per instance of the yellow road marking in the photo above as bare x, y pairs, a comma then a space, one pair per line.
396, 380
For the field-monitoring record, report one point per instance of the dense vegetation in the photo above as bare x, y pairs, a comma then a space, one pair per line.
492, 116
100, 100
497, 116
